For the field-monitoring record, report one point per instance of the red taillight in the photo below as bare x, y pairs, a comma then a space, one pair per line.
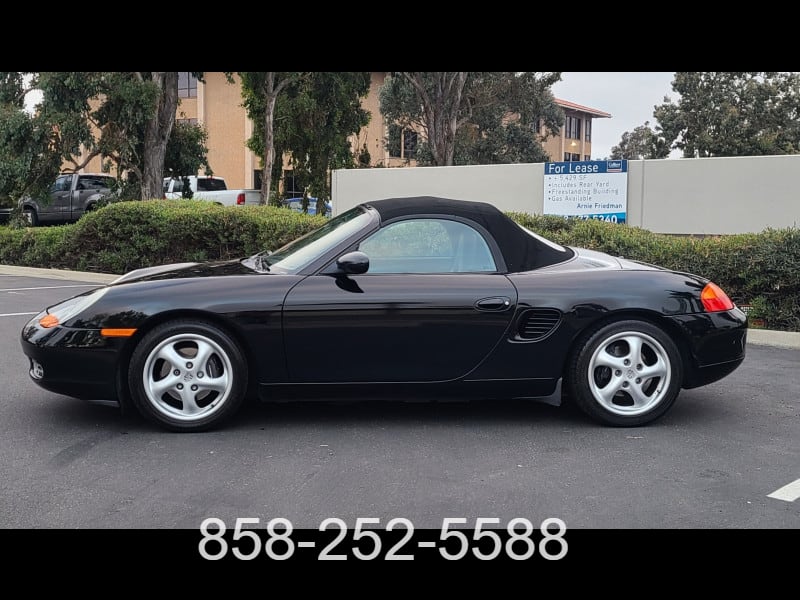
714, 299
240, 198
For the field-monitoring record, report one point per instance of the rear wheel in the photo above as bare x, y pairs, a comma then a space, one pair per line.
626, 373
187, 375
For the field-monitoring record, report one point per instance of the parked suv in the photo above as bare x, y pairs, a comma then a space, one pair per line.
70, 197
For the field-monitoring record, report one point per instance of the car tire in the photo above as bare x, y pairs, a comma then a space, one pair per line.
625, 373
172, 388
30, 216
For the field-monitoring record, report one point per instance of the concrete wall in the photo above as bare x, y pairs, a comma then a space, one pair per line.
682, 196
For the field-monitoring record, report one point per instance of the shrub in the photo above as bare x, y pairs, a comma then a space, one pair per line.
128, 235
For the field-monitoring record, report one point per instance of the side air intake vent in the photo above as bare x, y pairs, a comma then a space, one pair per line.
537, 323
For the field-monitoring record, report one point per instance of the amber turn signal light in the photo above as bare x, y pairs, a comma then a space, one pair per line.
117, 332
48, 321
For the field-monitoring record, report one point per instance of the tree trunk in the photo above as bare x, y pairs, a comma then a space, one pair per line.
269, 148
157, 134
440, 105
271, 92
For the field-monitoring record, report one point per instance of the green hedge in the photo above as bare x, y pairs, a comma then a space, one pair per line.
129, 235
760, 269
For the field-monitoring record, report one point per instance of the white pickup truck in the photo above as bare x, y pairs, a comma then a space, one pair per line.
213, 189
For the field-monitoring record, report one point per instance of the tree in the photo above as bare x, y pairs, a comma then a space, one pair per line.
315, 119
27, 163
260, 91
643, 142
157, 130
125, 117
733, 114
474, 117
187, 152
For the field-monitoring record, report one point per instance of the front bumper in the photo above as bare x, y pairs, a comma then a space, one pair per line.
74, 362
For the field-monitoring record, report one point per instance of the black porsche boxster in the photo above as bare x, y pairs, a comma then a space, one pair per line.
405, 297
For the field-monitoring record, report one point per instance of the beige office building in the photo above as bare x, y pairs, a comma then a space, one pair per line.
217, 104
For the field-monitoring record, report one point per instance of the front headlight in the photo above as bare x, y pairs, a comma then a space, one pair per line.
64, 311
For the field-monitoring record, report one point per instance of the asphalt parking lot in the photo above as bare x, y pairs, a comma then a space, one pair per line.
725, 456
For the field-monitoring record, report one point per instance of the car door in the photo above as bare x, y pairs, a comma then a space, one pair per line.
57, 206
431, 307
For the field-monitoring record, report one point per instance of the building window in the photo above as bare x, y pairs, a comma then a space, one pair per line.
187, 85
571, 157
587, 157
573, 128
291, 187
588, 133
401, 143
409, 143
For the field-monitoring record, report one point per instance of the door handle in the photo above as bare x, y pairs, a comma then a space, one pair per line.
495, 303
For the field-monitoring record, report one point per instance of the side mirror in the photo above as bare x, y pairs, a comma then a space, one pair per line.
353, 263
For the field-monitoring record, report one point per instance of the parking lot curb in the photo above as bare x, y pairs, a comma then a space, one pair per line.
759, 337
58, 274
781, 339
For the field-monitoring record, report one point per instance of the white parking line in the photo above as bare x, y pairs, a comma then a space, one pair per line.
790, 492
48, 287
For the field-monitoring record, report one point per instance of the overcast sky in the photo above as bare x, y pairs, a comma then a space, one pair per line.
628, 96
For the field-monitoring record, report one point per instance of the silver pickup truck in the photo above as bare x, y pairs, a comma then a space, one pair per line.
69, 198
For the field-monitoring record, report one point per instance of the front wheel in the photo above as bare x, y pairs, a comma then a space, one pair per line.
187, 375
626, 373
30, 216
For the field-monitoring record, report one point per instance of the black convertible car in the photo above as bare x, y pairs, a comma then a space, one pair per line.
405, 297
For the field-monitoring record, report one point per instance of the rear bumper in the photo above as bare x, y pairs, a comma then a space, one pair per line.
718, 343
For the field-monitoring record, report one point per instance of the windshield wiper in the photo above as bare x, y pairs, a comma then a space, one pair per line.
262, 262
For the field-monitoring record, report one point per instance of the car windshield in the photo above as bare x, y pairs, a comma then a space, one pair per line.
301, 252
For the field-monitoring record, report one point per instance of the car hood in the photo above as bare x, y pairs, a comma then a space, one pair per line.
187, 269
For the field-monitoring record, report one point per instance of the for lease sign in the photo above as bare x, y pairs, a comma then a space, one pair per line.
591, 189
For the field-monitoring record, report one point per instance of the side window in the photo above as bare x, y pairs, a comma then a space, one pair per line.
88, 183
61, 184
210, 185
428, 246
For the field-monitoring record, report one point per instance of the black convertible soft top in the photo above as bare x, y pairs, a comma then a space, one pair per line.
521, 251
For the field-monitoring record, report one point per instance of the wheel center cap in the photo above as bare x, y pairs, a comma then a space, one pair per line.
187, 377
630, 373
